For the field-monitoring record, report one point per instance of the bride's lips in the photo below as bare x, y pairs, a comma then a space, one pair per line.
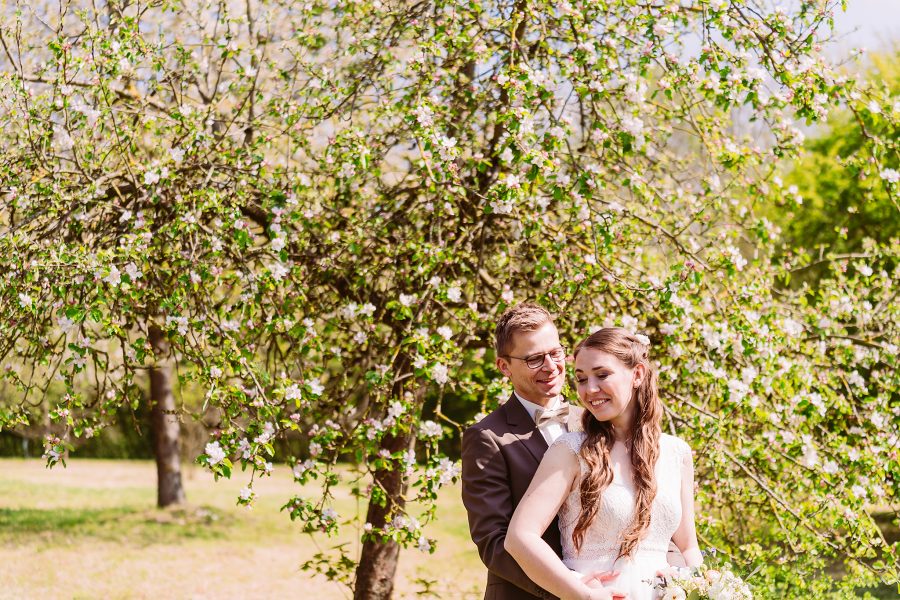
598, 402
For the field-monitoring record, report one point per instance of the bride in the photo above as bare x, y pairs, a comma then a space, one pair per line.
622, 488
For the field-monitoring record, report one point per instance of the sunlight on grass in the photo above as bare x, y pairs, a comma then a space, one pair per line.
91, 530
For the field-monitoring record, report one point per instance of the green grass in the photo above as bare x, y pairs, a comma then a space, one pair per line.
92, 531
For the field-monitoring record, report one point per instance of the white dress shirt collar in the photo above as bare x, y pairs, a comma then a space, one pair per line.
532, 408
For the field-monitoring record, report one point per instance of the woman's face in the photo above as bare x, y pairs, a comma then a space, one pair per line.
606, 385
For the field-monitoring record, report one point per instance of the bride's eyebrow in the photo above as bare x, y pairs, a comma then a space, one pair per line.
594, 369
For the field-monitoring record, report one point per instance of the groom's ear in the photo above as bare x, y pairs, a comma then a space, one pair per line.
640, 372
503, 366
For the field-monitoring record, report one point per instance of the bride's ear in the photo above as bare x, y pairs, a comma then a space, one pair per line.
639, 373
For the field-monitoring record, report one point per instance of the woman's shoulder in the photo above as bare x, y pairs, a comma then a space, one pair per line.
674, 444
571, 440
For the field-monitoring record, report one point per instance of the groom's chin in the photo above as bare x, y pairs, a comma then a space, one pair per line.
551, 391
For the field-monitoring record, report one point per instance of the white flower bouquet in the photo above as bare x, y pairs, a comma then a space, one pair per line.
703, 583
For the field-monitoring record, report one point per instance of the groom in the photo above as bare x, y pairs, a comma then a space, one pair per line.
501, 453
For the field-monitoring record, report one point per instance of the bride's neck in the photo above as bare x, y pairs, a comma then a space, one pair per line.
622, 436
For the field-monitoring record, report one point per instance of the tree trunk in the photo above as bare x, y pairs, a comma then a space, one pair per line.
164, 421
378, 561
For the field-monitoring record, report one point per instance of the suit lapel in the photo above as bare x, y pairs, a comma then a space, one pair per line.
523, 427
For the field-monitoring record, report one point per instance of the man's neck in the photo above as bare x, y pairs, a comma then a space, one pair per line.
542, 402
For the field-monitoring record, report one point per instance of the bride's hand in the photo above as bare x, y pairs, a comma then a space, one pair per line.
607, 594
597, 579
598, 591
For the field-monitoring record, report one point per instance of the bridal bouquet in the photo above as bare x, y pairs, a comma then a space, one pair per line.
704, 583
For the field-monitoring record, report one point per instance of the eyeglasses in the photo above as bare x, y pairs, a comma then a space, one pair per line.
535, 361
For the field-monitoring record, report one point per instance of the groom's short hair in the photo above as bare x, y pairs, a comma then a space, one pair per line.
526, 316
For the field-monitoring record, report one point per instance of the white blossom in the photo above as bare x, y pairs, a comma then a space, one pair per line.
500, 207
300, 468
133, 272
890, 175
151, 177
215, 453
792, 328
65, 324
667, 329
329, 514
399, 522
114, 278
350, 310
267, 434
633, 125
674, 592
424, 115
396, 409
315, 387
179, 322
449, 470
810, 456
439, 373
430, 429
737, 259
738, 390
292, 392
278, 271
630, 323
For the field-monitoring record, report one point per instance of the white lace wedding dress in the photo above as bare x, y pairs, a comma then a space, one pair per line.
601, 541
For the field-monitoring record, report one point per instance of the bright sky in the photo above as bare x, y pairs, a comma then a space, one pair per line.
873, 24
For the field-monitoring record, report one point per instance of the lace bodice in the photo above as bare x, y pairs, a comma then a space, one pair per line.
603, 538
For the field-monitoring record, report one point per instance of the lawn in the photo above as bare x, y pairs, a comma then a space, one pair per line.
91, 530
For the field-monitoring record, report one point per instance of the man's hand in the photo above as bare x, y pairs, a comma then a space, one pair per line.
598, 579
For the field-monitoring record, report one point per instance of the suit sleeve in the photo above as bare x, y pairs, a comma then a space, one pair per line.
488, 501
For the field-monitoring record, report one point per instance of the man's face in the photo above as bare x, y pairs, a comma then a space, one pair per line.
544, 383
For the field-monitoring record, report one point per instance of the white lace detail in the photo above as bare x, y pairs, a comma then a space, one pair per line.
602, 540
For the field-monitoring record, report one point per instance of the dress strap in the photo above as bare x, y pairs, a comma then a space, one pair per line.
572, 441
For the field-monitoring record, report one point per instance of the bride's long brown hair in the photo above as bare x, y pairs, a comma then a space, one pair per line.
644, 440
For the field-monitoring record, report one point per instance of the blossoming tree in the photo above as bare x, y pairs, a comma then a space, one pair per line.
330, 204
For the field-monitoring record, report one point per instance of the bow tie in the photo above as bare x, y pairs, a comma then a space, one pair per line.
558, 415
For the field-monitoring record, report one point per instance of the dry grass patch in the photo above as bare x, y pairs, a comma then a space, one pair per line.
91, 530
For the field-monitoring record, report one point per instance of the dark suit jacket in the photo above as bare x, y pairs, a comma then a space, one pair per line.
500, 455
